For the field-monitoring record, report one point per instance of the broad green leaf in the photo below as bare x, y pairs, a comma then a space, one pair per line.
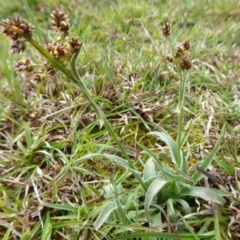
208, 194
149, 170
181, 163
185, 205
152, 191
104, 214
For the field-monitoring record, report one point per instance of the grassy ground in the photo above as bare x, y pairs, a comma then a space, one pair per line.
162, 162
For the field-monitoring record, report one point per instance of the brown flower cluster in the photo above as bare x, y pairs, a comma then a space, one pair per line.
183, 51
182, 55
17, 30
166, 29
60, 21
65, 46
24, 65
62, 49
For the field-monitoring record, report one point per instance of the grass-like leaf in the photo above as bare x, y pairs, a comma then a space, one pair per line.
210, 157
47, 228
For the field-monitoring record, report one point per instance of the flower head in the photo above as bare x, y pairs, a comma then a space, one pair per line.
166, 29
16, 29
60, 21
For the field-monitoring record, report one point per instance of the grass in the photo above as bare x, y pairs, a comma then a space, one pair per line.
108, 147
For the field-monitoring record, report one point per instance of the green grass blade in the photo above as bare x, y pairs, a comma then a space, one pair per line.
47, 228
7, 234
216, 222
190, 228
33, 20
197, 175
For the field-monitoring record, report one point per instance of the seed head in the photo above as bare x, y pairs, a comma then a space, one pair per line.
185, 64
18, 46
60, 21
169, 58
186, 45
24, 65
180, 52
75, 44
16, 28
166, 29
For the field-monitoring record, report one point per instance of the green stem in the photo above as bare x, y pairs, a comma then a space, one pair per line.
180, 110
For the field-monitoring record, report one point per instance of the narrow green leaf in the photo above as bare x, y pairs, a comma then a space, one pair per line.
190, 228
7, 234
21, 147
62, 207
47, 229
216, 222
158, 235
197, 175
28, 136
164, 170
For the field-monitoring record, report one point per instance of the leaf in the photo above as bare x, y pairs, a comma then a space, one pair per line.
62, 207
104, 214
47, 228
152, 191
216, 222
197, 175
149, 170
208, 194
181, 163
185, 205
7, 234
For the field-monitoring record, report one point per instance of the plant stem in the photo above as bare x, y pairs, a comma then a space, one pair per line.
180, 110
